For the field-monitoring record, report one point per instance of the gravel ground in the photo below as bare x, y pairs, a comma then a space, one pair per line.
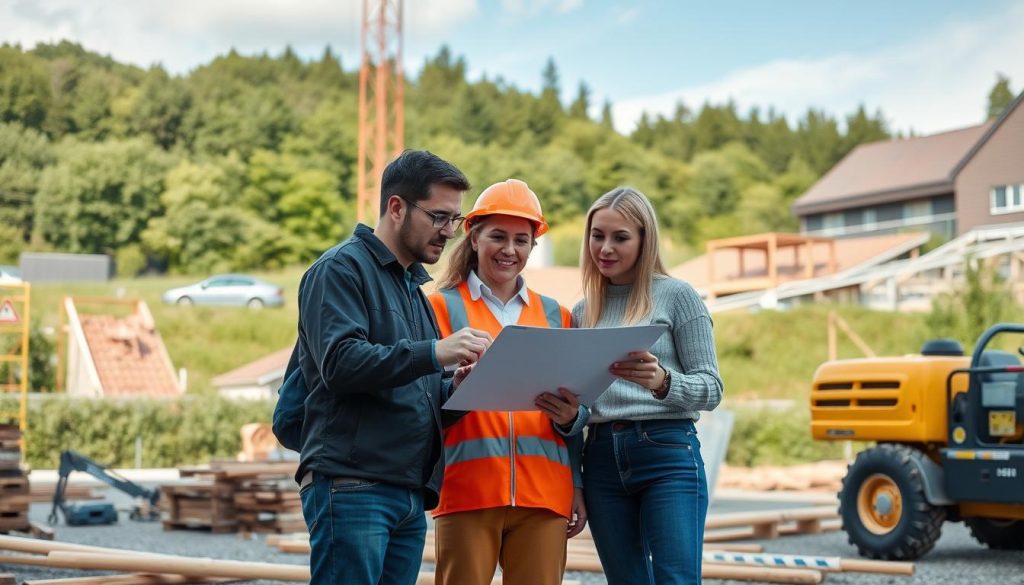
956, 560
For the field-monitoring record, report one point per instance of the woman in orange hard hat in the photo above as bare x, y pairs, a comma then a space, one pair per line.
510, 495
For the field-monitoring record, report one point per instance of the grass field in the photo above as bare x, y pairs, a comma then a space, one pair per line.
764, 355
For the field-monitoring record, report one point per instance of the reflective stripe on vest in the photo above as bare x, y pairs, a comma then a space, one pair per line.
457, 317
538, 447
498, 447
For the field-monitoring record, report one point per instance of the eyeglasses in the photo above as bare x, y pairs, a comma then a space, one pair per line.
442, 219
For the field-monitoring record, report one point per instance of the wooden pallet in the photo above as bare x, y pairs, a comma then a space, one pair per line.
14, 488
250, 497
198, 504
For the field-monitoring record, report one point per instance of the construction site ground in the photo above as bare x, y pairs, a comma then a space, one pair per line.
956, 560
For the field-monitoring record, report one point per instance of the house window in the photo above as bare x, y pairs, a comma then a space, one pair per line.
834, 221
870, 218
1007, 199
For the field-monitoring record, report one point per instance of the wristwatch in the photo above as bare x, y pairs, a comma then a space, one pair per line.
661, 392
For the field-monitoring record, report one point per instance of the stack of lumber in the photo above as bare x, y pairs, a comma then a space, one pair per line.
198, 504
823, 476
229, 496
770, 524
268, 505
14, 491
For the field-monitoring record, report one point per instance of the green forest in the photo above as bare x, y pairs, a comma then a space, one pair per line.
248, 162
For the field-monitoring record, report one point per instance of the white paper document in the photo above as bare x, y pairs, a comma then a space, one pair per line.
526, 361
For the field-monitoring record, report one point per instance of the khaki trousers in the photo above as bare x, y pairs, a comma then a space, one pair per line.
529, 544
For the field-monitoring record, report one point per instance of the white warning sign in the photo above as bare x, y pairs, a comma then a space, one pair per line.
7, 312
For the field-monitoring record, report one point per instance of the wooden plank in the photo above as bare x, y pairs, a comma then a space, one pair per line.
129, 579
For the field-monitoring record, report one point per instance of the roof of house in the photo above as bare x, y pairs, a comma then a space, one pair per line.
130, 356
850, 253
256, 372
892, 170
992, 129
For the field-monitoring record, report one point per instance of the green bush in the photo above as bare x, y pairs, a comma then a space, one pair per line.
767, 436
40, 361
191, 430
129, 260
566, 239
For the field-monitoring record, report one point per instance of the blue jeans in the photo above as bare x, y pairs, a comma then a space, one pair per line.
647, 499
362, 532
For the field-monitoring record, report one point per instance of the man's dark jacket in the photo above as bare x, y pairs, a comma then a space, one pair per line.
366, 356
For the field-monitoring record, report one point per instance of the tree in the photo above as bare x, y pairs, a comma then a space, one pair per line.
475, 113
818, 141
547, 111
999, 97
204, 229
160, 108
643, 134
24, 153
606, 115
24, 88
307, 203
581, 105
98, 197
861, 129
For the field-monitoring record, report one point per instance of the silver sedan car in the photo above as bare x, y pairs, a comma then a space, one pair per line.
236, 290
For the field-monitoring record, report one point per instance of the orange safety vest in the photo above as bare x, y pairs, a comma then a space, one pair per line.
497, 459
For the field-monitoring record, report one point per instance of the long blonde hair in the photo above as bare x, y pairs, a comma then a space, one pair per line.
635, 207
463, 258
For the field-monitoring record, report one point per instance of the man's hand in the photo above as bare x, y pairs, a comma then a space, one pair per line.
463, 347
460, 375
562, 411
579, 514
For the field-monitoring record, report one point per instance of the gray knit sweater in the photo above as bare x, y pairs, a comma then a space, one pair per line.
686, 350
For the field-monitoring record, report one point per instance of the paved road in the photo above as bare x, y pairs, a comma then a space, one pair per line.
956, 560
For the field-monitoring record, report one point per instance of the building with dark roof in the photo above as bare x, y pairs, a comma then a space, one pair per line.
947, 183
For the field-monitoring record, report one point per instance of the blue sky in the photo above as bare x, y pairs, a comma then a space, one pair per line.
928, 64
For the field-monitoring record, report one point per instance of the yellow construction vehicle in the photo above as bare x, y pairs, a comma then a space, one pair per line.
949, 443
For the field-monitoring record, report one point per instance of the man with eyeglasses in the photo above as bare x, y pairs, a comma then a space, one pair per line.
372, 456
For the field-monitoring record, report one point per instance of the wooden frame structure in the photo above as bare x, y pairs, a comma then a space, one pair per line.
770, 244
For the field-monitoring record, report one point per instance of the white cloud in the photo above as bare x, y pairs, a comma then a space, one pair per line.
625, 15
183, 33
936, 82
530, 8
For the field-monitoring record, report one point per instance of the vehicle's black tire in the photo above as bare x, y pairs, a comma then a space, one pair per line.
883, 507
184, 302
997, 534
255, 303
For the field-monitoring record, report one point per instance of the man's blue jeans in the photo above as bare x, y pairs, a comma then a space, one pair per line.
647, 499
363, 533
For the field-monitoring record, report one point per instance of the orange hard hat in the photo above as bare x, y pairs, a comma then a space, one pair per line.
512, 197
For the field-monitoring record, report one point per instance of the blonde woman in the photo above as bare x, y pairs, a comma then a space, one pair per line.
508, 496
643, 475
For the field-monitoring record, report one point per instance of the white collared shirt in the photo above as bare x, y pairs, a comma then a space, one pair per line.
506, 313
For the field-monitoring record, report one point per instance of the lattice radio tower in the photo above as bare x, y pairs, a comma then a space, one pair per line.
381, 101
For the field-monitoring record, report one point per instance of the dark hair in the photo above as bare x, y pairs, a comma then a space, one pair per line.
411, 174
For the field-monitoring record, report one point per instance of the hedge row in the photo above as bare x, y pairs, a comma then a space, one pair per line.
195, 429
191, 430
